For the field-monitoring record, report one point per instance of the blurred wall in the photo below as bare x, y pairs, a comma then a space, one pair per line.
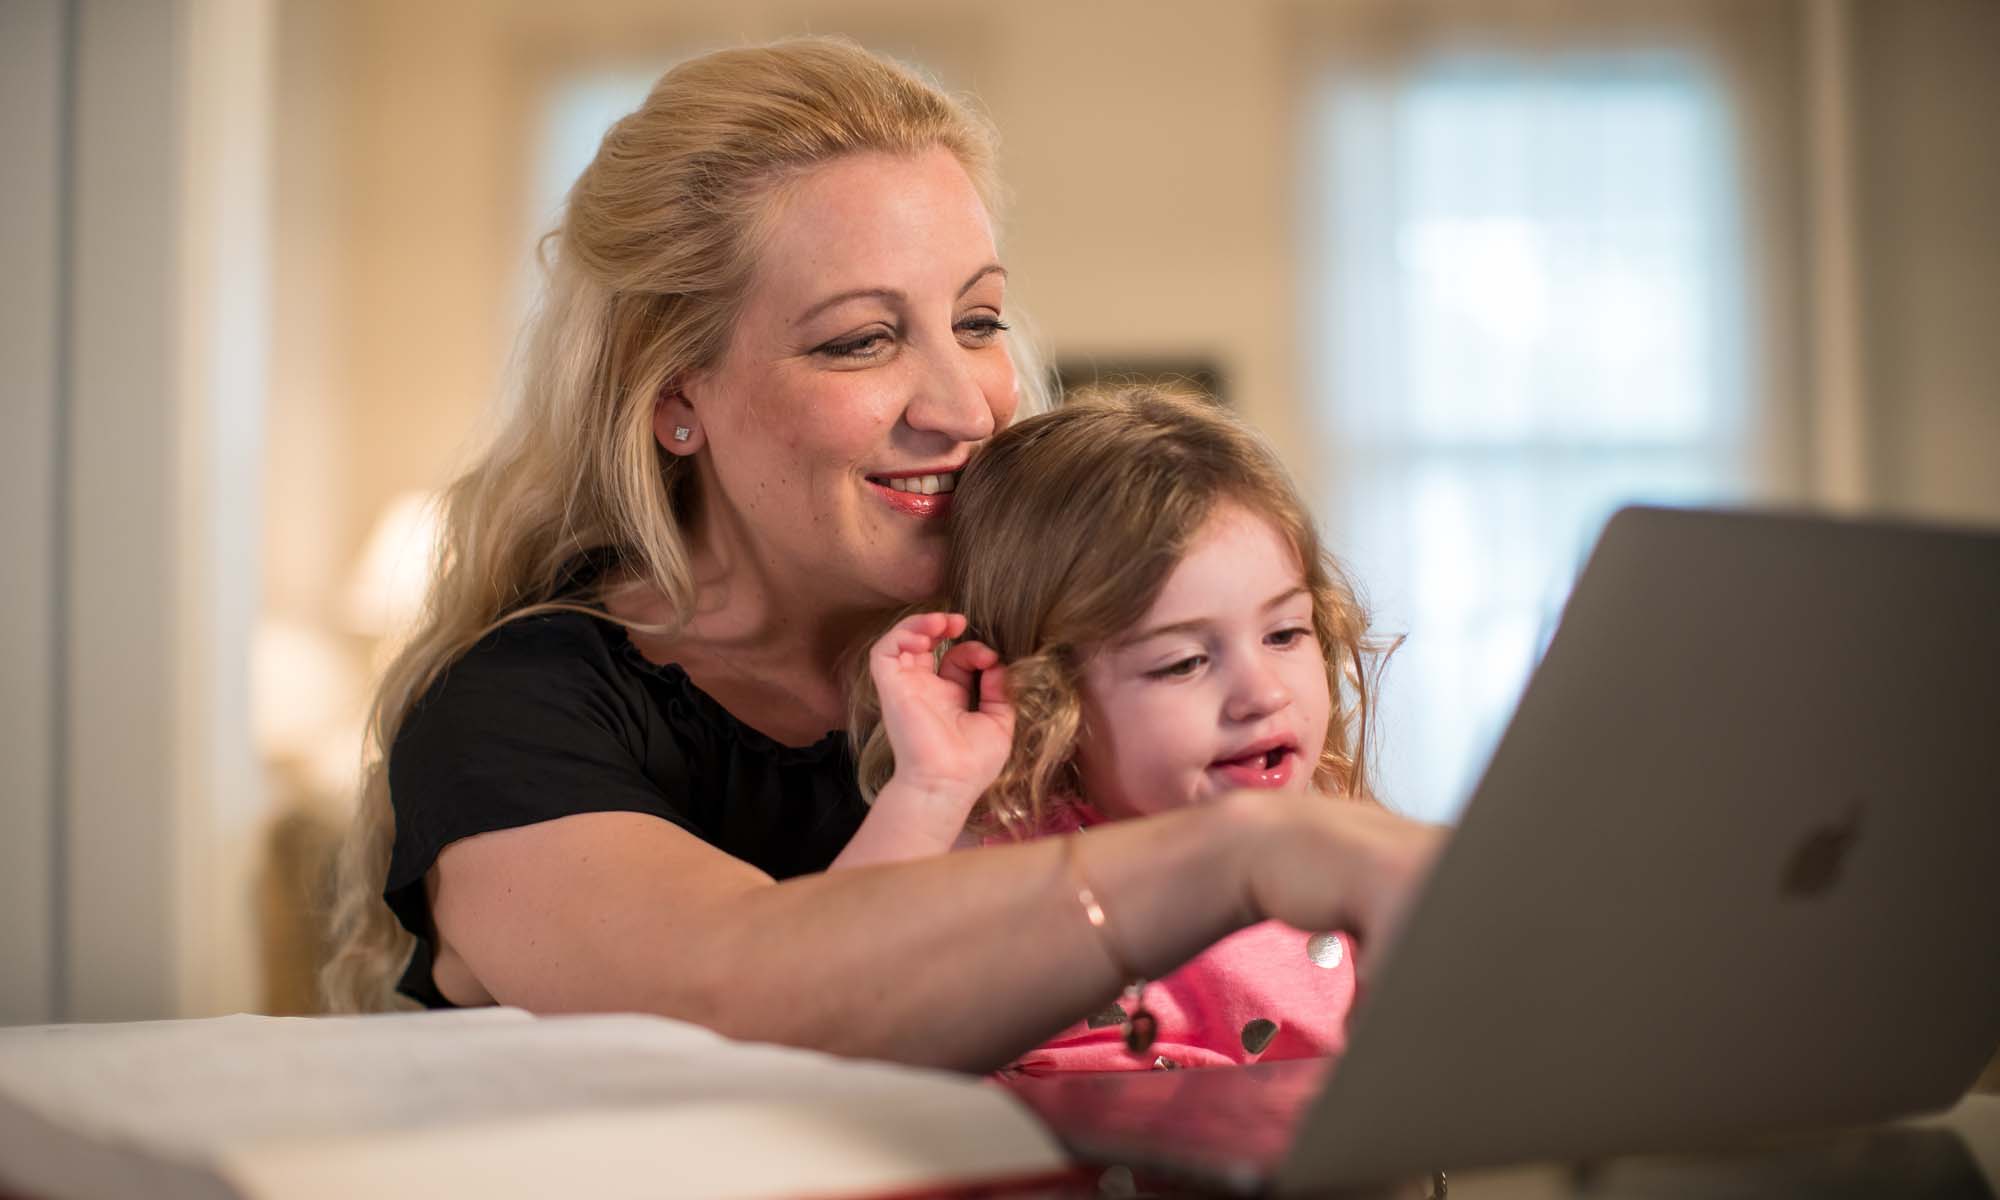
1145, 145
31, 207
1927, 88
134, 334
1150, 149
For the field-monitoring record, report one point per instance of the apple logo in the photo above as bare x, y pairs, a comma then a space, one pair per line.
1815, 866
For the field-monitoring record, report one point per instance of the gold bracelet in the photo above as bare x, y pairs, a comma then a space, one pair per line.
1140, 1025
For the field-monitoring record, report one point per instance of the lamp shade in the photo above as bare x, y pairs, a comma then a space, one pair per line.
386, 592
303, 684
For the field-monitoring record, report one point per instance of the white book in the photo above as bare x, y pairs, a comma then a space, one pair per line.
483, 1102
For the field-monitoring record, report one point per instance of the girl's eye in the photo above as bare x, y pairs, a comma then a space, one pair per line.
868, 345
1288, 637
981, 329
1181, 669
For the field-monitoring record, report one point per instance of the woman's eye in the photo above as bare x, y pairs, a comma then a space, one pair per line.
868, 345
981, 329
1289, 637
1180, 669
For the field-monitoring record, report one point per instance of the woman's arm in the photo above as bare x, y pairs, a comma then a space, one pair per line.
960, 961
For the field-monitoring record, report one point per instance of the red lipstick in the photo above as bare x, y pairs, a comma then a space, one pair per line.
915, 504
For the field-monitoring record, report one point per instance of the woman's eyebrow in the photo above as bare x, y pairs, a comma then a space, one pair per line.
890, 295
981, 273
887, 295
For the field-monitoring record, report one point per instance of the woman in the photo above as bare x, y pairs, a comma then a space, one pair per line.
775, 331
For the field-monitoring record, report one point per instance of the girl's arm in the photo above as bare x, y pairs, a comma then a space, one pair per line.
961, 960
948, 748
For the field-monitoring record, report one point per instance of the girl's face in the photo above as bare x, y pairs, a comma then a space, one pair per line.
1221, 687
868, 360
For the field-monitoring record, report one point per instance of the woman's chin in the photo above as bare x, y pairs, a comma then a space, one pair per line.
918, 575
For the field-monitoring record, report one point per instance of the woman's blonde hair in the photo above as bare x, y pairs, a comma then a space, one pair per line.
645, 274
1064, 529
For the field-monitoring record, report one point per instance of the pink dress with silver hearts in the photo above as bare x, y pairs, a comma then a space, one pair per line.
1263, 993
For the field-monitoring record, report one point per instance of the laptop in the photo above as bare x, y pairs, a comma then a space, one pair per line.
1733, 869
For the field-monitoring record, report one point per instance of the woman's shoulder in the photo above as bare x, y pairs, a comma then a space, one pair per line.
562, 637
547, 639
558, 667
562, 650
544, 679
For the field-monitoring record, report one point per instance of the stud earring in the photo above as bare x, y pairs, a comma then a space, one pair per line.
681, 433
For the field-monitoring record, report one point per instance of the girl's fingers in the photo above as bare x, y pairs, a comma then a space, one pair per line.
894, 642
910, 643
963, 660
971, 656
917, 634
993, 695
954, 671
935, 626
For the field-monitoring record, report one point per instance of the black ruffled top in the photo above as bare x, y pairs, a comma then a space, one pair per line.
559, 714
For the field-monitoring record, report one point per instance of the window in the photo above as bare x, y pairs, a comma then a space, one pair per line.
574, 117
577, 114
1529, 309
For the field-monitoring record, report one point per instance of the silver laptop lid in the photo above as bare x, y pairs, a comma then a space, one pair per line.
1733, 867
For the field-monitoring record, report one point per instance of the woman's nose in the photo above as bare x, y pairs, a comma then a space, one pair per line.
950, 400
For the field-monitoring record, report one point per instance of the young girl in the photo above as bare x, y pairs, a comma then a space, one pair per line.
1171, 632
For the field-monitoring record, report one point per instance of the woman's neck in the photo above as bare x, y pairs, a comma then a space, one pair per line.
775, 656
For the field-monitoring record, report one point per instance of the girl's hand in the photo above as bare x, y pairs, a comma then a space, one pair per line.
951, 726
946, 738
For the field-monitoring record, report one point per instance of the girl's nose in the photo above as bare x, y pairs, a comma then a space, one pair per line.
1256, 692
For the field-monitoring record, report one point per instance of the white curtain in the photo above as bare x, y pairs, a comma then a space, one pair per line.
1535, 291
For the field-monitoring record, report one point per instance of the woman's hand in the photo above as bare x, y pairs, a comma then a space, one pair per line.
1353, 866
951, 726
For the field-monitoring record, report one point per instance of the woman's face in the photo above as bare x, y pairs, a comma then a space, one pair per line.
868, 361
1222, 686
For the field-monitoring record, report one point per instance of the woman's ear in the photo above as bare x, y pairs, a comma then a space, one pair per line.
675, 425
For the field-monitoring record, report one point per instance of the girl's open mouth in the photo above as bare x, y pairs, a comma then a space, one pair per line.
1270, 768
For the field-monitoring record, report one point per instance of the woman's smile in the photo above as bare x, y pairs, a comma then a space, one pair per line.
918, 493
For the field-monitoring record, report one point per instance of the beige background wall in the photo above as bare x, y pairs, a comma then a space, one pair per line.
31, 207
1146, 146
1927, 92
133, 338
1151, 150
